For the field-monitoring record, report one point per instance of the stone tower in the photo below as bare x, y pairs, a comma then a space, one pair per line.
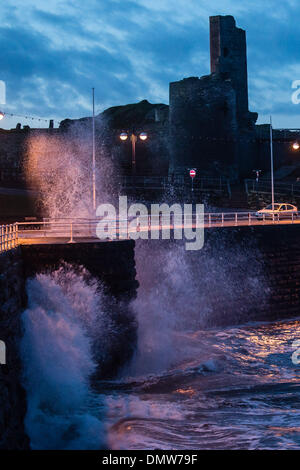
228, 57
209, 118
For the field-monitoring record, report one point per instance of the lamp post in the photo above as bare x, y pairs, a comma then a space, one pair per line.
133, 138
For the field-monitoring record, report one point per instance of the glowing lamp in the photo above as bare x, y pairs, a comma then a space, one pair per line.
123, 136
143, 136
296, 146
1, 115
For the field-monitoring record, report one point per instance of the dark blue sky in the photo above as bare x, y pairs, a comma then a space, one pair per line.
53, 52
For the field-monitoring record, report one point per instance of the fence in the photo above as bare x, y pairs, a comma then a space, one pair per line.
152, 183
280, 188
224, 219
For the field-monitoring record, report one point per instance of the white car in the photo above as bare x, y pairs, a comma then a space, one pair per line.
280, 211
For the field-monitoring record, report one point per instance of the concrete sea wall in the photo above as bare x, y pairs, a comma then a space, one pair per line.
270, 253
269, 256
112, 264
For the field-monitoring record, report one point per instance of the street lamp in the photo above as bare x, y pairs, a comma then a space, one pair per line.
123, 136
296, 146
1, 115
133, 138
143, 136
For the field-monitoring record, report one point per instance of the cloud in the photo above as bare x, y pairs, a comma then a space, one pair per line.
54, 52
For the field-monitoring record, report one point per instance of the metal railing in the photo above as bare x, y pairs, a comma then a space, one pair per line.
239, 219
280, 188
8, 237
224, 219
58, 228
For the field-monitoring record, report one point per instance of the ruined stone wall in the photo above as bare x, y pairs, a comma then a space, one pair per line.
229, 57
13, 150
12, 146
152, 155
112, 264
283, 152
210, 124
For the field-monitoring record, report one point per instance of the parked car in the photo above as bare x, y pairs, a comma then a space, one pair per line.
280, 211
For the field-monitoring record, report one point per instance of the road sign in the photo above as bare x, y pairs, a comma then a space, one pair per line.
192, 173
